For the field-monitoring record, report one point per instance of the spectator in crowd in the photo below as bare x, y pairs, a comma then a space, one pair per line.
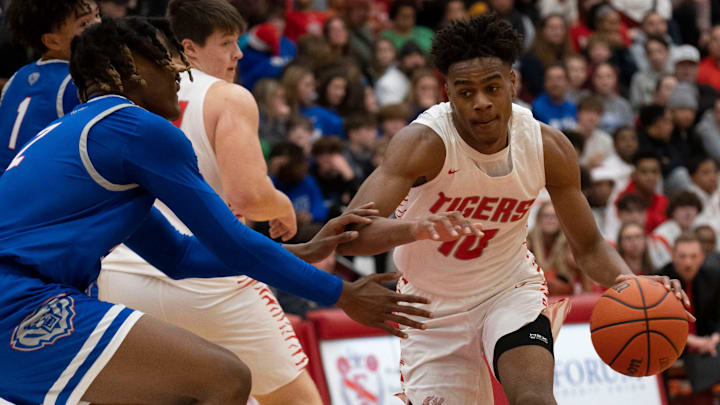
332, 88
607, 23
644, 82
424, 91
394, 86
543, 239
551, 106
625, 145
300, 90
403, 29
704, 184
288, 169
656, 128
683, 107
519, 90
702, 285
116, 8
682, 212
303, 19
602, 185
551, 47
300, 133
565, 276
384, 59
598, 144
632, 245
361, 35
454, 10
333, 174
637, 10
709, 69
630, 207
266, 53
361, 130
652, 25
598, 51
392, 118
508, 10
686, 59
663, 89
577, 71
274, 113
616, 110
580, 31
708, 130
644, 181
313, 52
707, 237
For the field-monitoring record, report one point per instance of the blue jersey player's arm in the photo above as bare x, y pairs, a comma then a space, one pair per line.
163, 162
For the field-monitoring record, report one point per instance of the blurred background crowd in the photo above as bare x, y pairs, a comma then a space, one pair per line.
634, 84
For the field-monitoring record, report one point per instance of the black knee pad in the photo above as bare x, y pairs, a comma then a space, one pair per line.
536, 333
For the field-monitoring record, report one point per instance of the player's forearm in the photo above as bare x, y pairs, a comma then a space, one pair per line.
262, 204
602, 263
378, 237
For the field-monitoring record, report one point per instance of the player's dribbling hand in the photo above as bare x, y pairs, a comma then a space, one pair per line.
332, 234
446, 226
368, 302
671, 284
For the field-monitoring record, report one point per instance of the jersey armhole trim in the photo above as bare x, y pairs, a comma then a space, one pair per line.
7, 86
85, 156
59, 102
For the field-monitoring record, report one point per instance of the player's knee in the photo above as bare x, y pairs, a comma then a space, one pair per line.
230, 381
533, 398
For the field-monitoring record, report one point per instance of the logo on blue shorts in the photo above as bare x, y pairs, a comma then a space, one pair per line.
52, 321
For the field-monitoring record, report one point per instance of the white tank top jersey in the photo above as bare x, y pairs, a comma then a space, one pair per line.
191, 98
473, 266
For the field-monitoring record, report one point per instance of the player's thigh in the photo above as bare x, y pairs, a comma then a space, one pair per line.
300, 391
161, 363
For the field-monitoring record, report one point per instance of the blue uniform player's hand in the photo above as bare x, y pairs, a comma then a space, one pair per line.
331, 235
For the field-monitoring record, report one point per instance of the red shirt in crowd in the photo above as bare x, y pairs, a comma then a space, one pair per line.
655, 213
709, 72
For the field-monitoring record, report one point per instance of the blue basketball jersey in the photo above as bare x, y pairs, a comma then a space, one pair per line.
36, 95
88, 181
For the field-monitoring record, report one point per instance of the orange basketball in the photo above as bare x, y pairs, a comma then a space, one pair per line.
638, 327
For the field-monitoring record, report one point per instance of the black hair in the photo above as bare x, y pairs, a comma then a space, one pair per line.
331, 144
656, 38
645, 154
488, 35
576, 139
622, 129
198, 19
102, 55
694, 163
631, 202
29, 20
683, 199
650, 114
397, 4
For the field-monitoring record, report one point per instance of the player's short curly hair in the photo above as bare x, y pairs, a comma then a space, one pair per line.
102, 55
488, 35
29, 20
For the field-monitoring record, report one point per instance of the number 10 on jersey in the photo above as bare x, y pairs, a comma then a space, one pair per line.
470, 247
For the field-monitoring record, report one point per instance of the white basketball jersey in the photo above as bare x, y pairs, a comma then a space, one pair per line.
191, 98
473, 266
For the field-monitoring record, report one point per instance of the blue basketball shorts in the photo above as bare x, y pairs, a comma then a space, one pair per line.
54, 340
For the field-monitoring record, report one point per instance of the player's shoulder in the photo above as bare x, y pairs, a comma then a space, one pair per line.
231, 97
559, 154
416, 149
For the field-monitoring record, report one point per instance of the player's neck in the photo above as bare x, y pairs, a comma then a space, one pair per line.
58, 55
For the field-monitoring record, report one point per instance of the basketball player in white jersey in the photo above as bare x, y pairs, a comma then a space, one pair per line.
483, 157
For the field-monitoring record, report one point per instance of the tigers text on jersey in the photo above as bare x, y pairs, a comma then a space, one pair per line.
35, 96
475, 265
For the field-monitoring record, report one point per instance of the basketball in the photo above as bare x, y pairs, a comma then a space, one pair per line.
638, 327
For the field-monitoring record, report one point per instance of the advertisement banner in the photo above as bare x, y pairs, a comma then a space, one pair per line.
582, 378
362, 371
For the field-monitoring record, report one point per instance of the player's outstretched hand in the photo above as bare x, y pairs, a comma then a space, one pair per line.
368, 302
670, 284
445, 227
331, 235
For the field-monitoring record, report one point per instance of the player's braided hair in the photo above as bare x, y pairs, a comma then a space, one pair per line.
488, 35
102, 55
29, 20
